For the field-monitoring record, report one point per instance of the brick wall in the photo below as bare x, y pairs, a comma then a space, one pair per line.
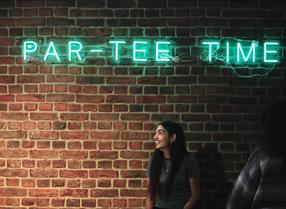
80, 135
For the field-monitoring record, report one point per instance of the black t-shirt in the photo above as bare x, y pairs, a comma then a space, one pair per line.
180, 192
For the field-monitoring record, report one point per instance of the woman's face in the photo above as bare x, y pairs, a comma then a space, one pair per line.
161, 138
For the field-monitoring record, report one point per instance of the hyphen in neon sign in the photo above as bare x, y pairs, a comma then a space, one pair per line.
75, 51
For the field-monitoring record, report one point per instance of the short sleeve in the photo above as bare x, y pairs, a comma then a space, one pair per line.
193, 170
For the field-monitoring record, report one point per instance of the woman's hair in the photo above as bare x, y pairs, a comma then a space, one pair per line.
177, 152
274, 126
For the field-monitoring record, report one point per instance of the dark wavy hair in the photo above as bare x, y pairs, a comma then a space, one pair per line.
177, 153
274, 127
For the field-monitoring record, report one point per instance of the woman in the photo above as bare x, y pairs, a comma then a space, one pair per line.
173, 172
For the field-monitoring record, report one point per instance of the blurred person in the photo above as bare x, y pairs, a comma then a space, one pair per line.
262, 182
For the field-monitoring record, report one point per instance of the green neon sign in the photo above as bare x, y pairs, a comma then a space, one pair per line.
140, 51
232, 52
241, 52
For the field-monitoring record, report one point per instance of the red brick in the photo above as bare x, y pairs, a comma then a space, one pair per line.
43, 116
132, 193
13, 153
43, 193
120, 80
28, 183
121, 164
134, 136
7, 79
90, 203
30, 98
37, 135
12, 202
7, 60
43, 154
135, 117
60, 78
120, 99
45, 106
73, 174
104, 164
104, 193
30, 22
74, 116
104, 116
119, 203
58, 202
87, 183
104, 203
104, 135
13, 192
74, 193
104, 155
103, 174
133, 174
74, 135
73, 154
89, 99
60, 98
30, 107
44, 125
7, 98
43, 173
11, 172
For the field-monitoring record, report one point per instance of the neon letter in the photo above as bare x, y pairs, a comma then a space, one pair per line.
163, 51
269, 51
252, 49
116, 47
227, 52
53, 53
135, 43
74, 49
29, 47
210, 43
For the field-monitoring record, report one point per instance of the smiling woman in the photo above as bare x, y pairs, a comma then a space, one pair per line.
173, 172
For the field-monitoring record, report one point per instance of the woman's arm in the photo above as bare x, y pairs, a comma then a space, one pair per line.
149, 201
195, 189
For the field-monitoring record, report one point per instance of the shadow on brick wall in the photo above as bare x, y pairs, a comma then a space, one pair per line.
214, 186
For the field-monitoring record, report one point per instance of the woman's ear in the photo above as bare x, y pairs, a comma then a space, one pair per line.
173, 138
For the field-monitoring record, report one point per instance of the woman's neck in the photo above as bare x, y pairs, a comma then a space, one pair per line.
166, 153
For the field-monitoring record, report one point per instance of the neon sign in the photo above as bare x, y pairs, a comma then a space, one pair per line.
237, 54
242, 52
75, 51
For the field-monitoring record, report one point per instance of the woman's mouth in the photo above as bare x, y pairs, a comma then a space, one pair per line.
157, 142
